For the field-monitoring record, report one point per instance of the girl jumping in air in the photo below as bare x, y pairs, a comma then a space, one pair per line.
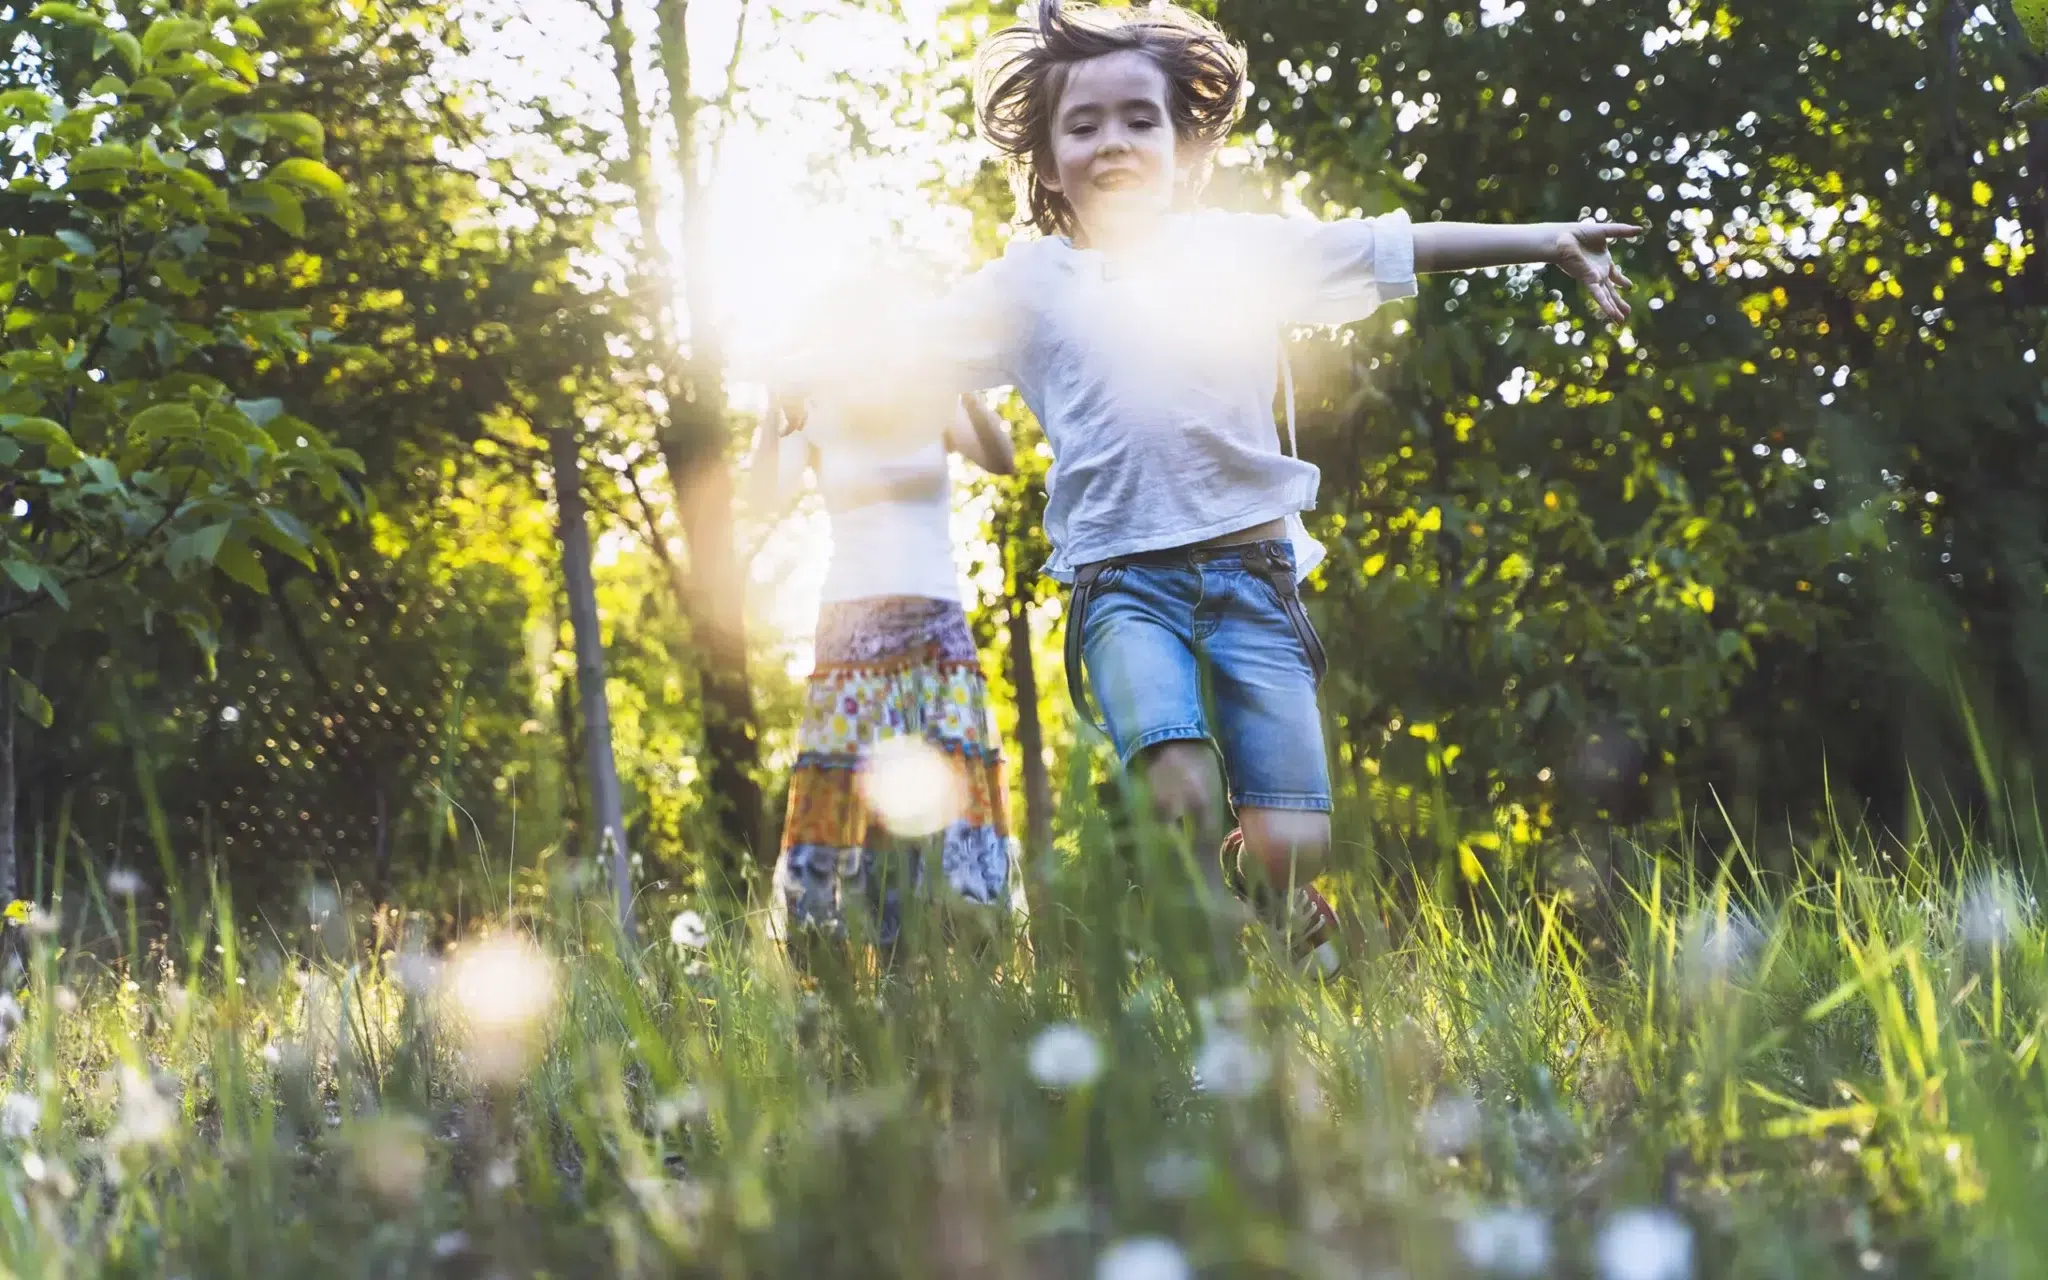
1145, 333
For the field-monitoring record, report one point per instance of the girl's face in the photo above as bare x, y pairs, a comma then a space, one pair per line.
1115, 157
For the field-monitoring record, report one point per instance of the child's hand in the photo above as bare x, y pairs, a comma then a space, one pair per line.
1582, 252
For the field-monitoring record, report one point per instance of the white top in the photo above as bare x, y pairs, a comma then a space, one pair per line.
1153, 372
890, 506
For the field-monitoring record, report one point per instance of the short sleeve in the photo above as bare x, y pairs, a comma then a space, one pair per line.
1336, 272
1356, 264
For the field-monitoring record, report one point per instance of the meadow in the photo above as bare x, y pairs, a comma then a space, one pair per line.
1649, 1074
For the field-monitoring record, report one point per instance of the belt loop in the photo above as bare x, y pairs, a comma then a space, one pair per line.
1085, 577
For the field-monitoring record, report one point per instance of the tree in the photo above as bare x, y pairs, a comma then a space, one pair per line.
692, 432
138, 477
1741, 550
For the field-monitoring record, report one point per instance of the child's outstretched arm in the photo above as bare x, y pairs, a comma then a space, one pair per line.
1581, 248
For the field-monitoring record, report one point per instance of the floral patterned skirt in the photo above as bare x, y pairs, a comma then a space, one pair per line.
898, 787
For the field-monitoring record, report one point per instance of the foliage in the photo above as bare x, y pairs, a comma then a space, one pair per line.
1764, 536
136, 472
1838, 1082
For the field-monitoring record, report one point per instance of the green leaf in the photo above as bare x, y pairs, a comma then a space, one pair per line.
108, 84
295, 127
77, 243
128, 47
238, 561
107, 155
168, 35
31, 700
68, 14
261, 412
280, 206
202, 96
283, 530
309, 175
196, 548
174, 420
33, 577
30, 104
153, 87
56, 441
27, 576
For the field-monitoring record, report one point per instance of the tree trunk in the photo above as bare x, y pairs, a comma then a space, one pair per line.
607, 808
695, 447
693, 436
10, 865
1030, 733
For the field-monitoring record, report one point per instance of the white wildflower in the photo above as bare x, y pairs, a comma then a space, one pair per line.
1644, 1244
42, 922
502, 1175
10, 1017
688, 931
1505, 1242
146, 1117
1718, 949
123, 883
1143, 1258
502, 990
1065, 1056
684, 1106
20, 1113
65, 999
450, 1243
1176, 1175
417, 971
1229, 1065
388, 1158
1450, 1124
1992, 912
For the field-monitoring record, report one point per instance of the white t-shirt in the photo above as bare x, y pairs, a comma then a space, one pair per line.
890, 508
1153, 372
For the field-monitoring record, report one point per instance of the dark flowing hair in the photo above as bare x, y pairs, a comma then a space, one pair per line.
1021, 73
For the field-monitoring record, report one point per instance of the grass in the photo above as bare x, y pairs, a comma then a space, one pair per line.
1658, 1077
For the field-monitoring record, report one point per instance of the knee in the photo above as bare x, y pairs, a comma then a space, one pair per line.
1286, 845
1183, 781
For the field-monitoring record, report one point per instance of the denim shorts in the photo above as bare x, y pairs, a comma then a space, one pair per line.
1195, 646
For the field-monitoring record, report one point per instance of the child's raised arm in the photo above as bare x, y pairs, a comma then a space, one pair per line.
1580, 248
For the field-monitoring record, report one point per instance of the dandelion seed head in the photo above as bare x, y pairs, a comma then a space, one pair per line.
1229, 1065
146, 1116
1176, 1174
1505, 1242
42, 922
501, 1175
20, 1113
1992, 912
684, 1106
1065, 1056
502, 991
912, 786
1718, 948
65, 999
417, 971
1644, 1244
388, 1157
450, 1243
1143, 1258
688, 931
1450, 1124
123, 883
